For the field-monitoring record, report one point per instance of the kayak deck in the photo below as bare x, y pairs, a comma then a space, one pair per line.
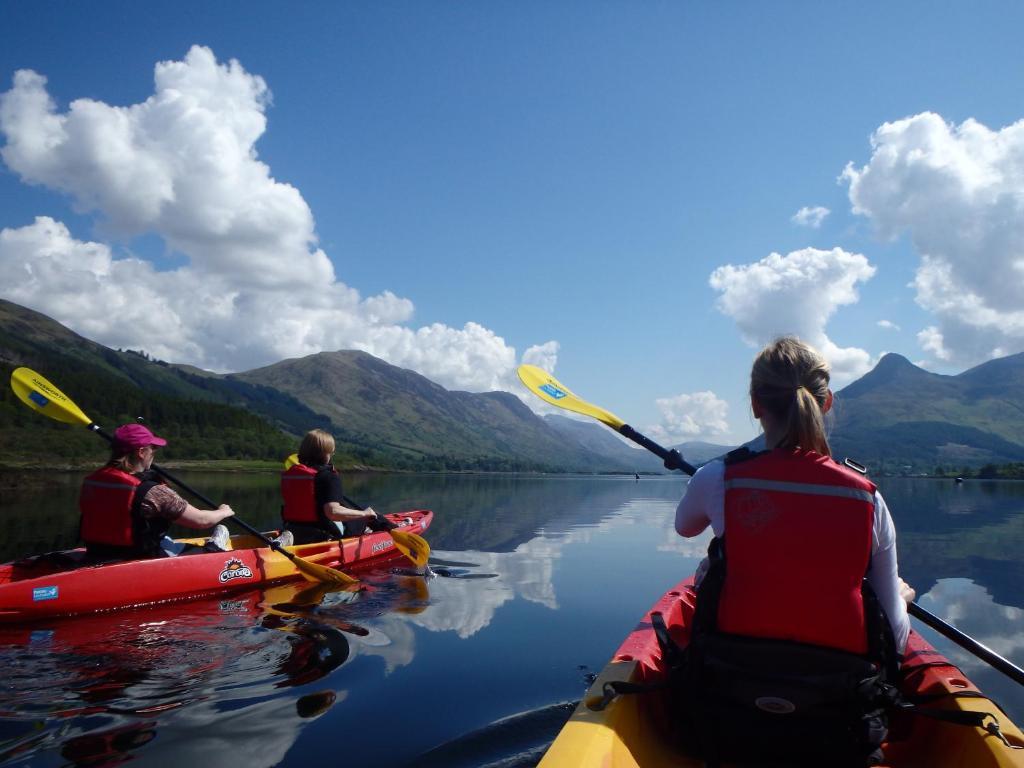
631, 731
64, 584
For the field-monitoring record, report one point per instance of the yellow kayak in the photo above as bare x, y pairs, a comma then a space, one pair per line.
629, 731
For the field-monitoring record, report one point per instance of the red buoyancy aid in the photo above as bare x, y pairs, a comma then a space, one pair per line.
107, 503
798, 544
298, 491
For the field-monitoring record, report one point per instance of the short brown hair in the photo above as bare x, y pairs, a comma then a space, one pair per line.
315, 446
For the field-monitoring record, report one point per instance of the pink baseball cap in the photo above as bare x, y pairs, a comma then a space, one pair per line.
130, 436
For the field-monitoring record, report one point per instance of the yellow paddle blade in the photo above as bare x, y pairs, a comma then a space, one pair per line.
412, 545
548, 388
291, 461
40, 395
315, 572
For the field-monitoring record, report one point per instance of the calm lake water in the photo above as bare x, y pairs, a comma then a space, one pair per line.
534, 583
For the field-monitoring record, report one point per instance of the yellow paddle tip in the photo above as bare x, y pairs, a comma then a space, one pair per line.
39, 394
549, 389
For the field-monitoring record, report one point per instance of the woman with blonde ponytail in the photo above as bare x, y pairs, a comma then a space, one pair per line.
804, 554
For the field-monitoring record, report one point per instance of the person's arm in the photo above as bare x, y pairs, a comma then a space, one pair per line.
893, 593
335, 510
193, 517
163, 501
703, 494
330, 491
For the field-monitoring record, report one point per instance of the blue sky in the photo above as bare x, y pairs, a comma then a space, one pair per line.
380, 175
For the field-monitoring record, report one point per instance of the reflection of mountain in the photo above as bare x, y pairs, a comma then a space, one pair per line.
498, 513
975, 530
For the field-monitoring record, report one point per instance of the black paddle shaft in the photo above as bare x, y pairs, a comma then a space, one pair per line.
673, 459
968, 643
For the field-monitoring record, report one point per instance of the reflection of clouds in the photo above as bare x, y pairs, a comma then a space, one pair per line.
400, 648
971, 609
694, 548
467, 605
211, 734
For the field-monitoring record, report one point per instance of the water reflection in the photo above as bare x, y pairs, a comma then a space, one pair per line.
533, 579
217, 667
971, 531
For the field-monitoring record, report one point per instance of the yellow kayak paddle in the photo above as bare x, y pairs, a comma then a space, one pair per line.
548, 388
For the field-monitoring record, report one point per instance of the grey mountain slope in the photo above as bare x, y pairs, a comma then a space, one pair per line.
901, 413
896, 415
601, 440
389, 415
369, 401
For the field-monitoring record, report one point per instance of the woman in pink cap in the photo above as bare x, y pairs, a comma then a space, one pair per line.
127, 511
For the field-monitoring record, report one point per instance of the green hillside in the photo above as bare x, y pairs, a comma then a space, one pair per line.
374, 407
897, 419
103, 383
382, 416
900, 418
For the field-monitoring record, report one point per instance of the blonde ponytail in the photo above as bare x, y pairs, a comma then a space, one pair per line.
790, 381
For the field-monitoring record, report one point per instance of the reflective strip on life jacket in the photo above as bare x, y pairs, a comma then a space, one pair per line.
106, 502
808, 488
798, 536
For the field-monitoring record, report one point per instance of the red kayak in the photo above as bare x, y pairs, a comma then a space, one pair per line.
60, 584
632, 731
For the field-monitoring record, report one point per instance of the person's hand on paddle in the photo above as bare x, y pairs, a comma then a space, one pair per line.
378, 522
907, 592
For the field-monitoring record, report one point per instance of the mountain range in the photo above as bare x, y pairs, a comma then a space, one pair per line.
897, 418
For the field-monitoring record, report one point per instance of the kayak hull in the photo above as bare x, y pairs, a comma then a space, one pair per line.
630, 732
47, 587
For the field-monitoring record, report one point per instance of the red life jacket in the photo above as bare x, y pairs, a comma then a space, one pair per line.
298, 490
798, 535
109, 508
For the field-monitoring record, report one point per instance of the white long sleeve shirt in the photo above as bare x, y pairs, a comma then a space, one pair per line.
703, 504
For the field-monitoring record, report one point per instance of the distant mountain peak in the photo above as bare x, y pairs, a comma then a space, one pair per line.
891, 370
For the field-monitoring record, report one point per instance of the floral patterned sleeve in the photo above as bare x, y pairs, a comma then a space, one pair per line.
163, 501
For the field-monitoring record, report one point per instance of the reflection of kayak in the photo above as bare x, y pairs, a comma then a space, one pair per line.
628, 731
59, 584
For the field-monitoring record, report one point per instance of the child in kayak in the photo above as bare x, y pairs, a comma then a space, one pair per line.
314, 507
804, 557
126, 511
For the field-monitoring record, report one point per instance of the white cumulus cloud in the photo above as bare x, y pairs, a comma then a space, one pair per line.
254, 288
889, 325
690, 416
796, 294
958, 190
810, 217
